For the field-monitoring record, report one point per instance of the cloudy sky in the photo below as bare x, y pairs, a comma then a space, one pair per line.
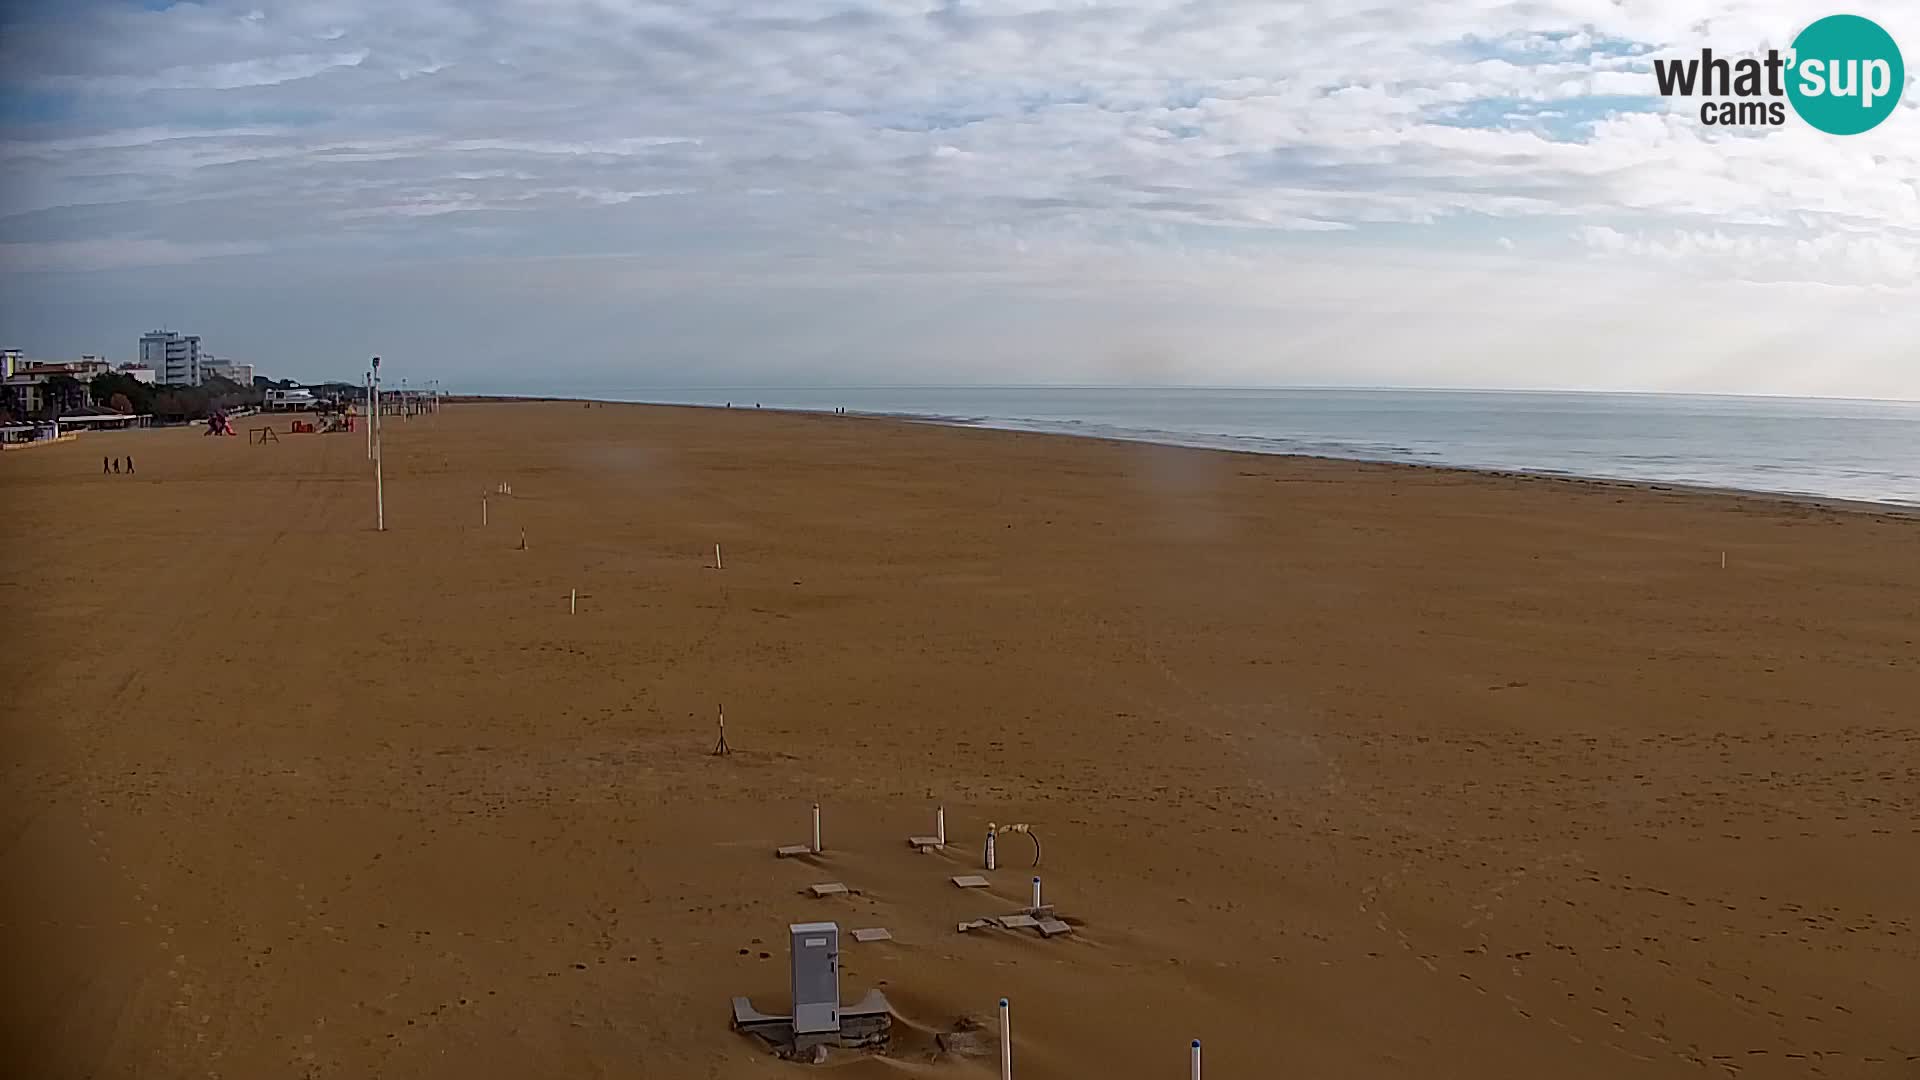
605, 194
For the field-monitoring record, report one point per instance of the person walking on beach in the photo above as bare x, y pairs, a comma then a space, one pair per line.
103, 465
129, 464
116, 466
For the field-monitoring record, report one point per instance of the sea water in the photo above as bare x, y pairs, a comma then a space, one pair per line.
1827, 448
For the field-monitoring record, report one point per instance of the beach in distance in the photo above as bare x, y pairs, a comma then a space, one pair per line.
1347, 769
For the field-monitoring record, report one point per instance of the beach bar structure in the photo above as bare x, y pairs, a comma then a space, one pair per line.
407, 402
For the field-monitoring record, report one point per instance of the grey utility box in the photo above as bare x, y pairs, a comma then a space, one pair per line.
816, 977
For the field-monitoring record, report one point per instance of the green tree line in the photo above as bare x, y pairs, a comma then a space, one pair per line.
172, 402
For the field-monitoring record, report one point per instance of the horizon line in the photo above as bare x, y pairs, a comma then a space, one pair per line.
1323, 387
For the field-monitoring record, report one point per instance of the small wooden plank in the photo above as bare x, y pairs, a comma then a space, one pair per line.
976, 924
1050, 927
971, 881
1018, 922
828, 888
873, 933
793, 851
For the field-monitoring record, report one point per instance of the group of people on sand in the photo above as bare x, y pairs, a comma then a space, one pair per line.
115, 465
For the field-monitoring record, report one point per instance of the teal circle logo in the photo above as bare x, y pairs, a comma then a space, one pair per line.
1846, 75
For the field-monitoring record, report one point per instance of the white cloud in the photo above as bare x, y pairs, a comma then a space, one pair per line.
311, 134
111, 253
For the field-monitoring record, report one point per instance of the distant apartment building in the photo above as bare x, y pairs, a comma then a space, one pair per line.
220, 367
10, 361
174, 358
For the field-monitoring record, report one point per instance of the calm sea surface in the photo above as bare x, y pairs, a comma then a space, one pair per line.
1868, 450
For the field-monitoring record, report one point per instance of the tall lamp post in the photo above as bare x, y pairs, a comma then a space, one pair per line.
379, 479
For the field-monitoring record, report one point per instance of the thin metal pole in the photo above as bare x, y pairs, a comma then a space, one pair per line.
368, 380
379, 455
1006, 1042
816, 828
1196, 1059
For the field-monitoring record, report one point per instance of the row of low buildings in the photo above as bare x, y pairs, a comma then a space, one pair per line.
29, 388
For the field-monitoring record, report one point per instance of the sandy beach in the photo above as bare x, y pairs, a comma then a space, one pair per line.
1345, 770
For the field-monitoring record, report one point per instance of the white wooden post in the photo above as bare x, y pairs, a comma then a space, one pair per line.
716, 558
573, 601
940, 825
1006, 1042
816, 828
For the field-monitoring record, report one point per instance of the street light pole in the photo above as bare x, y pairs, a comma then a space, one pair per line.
379, 453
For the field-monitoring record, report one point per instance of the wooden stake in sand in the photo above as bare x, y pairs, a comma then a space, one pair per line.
1723, 560
483, 508
940, 825
573, 601
716, 558
1006, 1042
721, 749
1196, 1059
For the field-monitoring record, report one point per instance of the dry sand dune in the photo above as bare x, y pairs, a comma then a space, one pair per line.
1349, 771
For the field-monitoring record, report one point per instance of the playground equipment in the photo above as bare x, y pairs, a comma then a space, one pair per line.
991, 854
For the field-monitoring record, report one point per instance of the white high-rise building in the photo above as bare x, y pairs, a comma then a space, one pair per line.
174, 358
